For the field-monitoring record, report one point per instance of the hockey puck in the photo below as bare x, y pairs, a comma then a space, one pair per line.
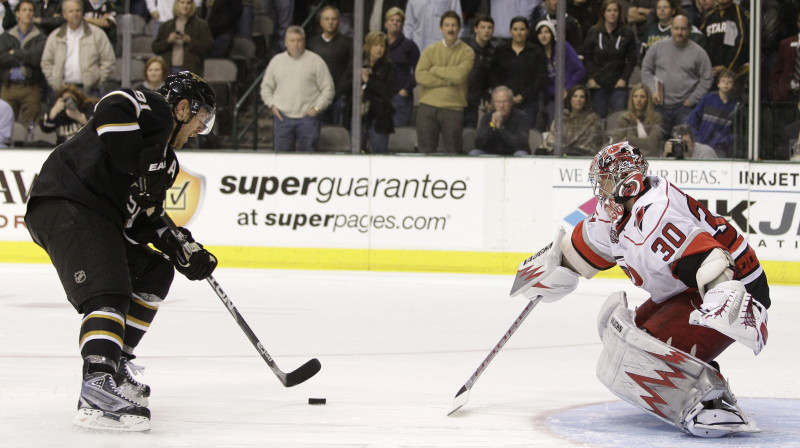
317, 401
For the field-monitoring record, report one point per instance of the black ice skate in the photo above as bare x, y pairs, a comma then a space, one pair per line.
127, 383
102, 406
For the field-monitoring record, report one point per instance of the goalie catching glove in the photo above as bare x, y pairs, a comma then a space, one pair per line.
729, 309
188, 256
543, 275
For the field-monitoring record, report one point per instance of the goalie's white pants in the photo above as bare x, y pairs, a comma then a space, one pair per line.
671, 384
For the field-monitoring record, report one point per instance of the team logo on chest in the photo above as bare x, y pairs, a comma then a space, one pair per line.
640, 216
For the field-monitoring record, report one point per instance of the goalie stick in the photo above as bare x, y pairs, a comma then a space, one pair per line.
290, 379
463, 394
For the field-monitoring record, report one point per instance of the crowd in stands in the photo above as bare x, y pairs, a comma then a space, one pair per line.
462, 73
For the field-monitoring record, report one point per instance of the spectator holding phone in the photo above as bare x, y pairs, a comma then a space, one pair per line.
70, 112
185, 41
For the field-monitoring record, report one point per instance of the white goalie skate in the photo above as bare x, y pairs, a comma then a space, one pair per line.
103, 407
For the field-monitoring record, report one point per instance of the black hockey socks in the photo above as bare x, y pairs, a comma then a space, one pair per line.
141, 313
101, 339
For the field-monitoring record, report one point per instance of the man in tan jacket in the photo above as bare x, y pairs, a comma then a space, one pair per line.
442, 71
77, 53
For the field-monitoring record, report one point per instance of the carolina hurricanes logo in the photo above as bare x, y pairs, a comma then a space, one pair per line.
640, 216
653, 398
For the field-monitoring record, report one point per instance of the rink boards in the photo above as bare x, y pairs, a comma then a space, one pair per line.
416, 213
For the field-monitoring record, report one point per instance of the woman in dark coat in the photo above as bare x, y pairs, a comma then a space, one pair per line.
185, 41
521, 66
379, 85
609, 52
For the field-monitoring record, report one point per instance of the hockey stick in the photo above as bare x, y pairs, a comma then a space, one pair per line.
463, 394
290, 379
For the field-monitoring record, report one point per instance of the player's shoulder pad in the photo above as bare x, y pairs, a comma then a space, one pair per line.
135, 100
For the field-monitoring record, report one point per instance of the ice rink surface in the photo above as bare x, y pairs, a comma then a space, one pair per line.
394, 347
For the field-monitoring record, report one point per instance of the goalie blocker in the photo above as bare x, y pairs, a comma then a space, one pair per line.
543, 275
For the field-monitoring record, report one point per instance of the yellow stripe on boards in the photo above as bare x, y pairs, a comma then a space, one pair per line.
778, 272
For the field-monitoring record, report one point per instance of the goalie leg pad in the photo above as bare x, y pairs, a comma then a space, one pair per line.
672, 385
668, 321
542, 274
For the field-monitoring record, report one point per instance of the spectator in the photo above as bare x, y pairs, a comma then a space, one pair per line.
46, 15
185, 40
574, 71
694, 150
244, 27
6, 124
62, 63
639, 14
585, 12
161, 12
442, 72
789, 146
222, 17
69, 113
784, 82
712, 119
379, 79
581, 128
609, 55
505, 130
503, 11
21, 50
375, 12
405, 55
680, 72
281, 12
573, 33
704, 9
641, 125
422, 16
336, 50
479, 77
103, 14
155, 72
296, 87
661, 28
727, 29
522, 67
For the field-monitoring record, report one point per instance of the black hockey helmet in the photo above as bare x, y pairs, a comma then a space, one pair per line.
186, 85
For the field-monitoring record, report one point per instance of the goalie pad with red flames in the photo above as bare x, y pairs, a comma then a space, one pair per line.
542, 274
664, 381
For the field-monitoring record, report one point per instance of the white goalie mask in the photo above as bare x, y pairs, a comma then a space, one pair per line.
617, 174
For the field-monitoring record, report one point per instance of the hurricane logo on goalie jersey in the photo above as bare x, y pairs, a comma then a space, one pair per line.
640, 216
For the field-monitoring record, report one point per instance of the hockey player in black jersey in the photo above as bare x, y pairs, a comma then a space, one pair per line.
94, 207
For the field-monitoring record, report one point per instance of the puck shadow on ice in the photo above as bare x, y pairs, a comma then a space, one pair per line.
617, 423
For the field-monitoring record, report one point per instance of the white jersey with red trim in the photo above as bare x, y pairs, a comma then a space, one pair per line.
664, 226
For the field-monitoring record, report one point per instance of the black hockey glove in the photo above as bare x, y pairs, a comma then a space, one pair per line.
190, 259
150, 189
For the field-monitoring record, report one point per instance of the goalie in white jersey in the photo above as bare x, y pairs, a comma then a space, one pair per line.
707, 290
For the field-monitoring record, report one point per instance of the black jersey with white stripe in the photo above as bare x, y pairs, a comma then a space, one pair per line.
98, 165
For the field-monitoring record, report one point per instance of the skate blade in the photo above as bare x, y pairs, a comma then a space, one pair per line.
97, 420
720, 430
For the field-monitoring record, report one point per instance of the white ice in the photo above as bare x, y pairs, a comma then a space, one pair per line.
394, 347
